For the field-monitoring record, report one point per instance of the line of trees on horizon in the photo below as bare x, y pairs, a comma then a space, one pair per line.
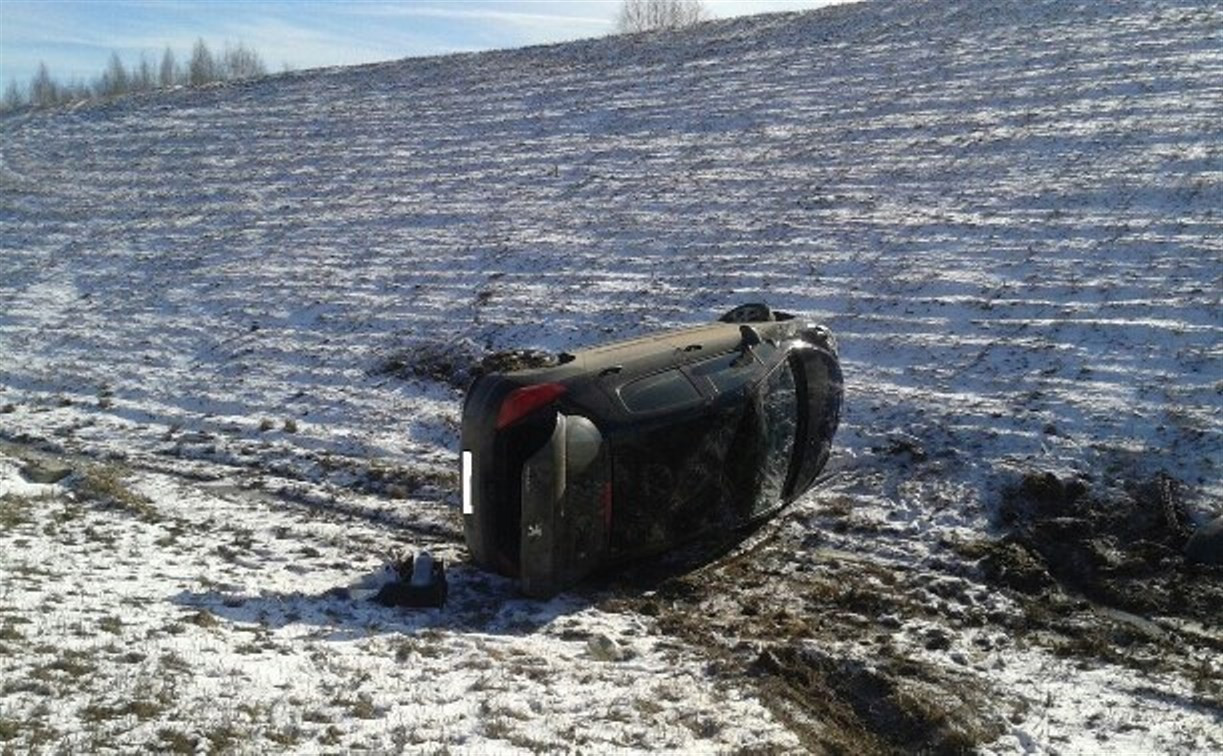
241, 62
202, 67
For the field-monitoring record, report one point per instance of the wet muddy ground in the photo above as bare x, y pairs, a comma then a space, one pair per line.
858, 654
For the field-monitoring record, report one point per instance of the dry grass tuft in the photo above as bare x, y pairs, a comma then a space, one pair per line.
107, 485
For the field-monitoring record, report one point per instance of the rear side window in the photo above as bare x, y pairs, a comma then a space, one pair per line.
727, 372
658, 392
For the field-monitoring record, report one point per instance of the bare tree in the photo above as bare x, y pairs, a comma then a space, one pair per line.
12, 96
167, 75
44, 92
236, 62
142, 79
241, 63
202, 69
114, 80
648, 15
73, 91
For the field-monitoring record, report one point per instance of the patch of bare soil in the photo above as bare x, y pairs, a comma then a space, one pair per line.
849, 705
858, 653
1103, 574
515, 359
815, 631
1122, 549
446, 363
457, 365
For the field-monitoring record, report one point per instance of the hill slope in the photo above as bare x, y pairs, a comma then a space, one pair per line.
1008, 212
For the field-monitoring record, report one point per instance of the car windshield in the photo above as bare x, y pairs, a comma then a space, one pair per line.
778, 417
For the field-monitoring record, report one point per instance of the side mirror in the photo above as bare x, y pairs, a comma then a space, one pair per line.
748, 338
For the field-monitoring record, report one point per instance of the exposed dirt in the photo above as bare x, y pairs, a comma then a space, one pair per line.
514, 359
457, 365
836, 643
814, 630
1123, 549
448, 363
1101, 575
877, 705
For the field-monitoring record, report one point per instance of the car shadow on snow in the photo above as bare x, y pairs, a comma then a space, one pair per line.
478, 602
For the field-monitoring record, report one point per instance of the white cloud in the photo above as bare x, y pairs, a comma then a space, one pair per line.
727, 8
481, 13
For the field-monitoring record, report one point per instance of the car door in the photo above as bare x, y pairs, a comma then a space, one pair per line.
658, 453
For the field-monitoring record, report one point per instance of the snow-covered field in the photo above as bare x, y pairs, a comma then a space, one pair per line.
226, 309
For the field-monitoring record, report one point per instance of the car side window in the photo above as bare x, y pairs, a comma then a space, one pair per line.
726, 372
666, 390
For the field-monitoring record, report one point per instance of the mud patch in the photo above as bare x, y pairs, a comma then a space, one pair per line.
457, 364
1100, 575
843, 704
1011, 563
828, 640
449, 363
1120, 548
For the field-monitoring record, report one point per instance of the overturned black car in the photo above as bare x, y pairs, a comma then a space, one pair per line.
625, 450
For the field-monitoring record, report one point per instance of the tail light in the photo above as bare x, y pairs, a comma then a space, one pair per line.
522, 402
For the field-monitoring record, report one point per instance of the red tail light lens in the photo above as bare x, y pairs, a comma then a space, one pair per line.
522, 402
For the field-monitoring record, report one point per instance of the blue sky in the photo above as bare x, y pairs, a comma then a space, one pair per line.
76, 37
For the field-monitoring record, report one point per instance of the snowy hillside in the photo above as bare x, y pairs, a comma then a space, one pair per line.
242, 316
